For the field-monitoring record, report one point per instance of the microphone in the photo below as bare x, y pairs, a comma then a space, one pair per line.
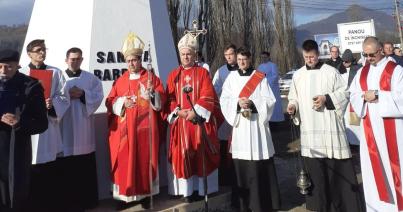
187, 89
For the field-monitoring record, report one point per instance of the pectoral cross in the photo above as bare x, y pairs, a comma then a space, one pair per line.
195, 31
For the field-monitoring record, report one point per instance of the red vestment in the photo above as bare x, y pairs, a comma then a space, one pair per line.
129, 135
184, 153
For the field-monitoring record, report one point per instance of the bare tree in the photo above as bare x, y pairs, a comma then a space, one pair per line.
203, 21
186, 8
285, 54
293, 56
258, 25
174, 15
221, 30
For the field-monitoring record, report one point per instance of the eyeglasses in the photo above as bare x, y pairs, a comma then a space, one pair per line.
39, 50
370, 54
346, 61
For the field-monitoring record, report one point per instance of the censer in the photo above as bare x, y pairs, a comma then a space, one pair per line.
247, 113
303, 180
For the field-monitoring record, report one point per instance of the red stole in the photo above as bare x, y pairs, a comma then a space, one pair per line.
252, 83
391, 140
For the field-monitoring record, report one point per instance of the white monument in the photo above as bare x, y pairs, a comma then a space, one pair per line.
99, 28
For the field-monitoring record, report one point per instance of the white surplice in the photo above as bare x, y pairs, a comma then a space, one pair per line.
390, 104
47, 145
77, 124
251, 138
218, 81
353, 132
322, 132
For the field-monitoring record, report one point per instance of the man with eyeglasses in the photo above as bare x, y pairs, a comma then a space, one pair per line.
377, 98
46, 146
317, 97
335, 60
388, 52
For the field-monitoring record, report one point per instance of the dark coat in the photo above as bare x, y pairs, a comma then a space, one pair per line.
398, 59
15, 143
338, 64
353, 71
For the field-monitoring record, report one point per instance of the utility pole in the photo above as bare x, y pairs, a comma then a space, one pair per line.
398, 22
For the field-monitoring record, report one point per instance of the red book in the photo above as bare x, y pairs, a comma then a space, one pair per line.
45, 78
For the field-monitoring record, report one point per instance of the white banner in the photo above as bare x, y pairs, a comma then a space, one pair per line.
353, 34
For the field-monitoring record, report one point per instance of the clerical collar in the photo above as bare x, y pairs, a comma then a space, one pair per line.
247, 72
73, 74
232, 67
136, 75
317, 66
41, 67
186, 68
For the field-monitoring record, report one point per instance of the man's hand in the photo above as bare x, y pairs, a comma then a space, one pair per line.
49, 103
318, 101
10, 119
183, 113
150, 86
369, 96
75, 92
244, 103
191, 115
129, 103
291, 109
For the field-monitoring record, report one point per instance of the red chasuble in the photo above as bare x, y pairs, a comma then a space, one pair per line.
129, 135
185, 138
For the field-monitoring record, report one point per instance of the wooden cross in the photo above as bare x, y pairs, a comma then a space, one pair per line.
196, 31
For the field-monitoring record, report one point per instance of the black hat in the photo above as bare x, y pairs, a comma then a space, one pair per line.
347, 56
9, 55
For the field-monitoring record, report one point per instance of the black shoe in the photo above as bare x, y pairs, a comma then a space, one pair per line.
146, 203
188, 199
197, 198
120, 205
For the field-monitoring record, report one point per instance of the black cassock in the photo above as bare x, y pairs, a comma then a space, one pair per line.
19, 95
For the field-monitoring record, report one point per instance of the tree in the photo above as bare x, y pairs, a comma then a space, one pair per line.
252, 24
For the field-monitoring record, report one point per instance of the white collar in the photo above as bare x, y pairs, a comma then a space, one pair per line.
382, 61
134, 76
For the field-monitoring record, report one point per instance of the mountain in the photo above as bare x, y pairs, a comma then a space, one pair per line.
385, 25
12, 37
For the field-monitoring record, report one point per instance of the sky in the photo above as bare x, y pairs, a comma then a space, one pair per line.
15, 11
305, 11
